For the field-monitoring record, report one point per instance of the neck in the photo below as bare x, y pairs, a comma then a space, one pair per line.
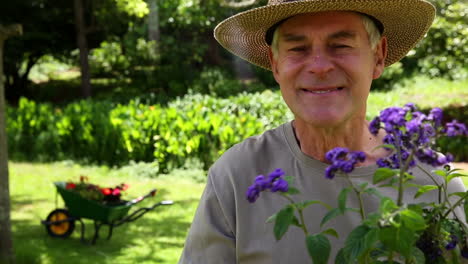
354, 135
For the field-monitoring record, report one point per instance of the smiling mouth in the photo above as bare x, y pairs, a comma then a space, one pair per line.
323, 91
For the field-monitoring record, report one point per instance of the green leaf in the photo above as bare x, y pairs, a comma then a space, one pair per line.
319, 248
292, 191
330, 215
459, 194
399, 239
465, 207
441, 173
387, 205
363, 185
390, 146
455, 175
342, 199
424, 189
271, 218
382, 174
289, 179
417, 256
283, 220
356, 244
341, 257
412, 220
374, 191
331, 232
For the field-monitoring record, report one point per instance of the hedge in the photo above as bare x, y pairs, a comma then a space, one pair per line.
195, 126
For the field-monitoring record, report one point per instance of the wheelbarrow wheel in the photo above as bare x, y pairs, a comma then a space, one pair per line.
63, 229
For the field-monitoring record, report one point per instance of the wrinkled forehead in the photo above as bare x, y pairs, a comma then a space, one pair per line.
346, 17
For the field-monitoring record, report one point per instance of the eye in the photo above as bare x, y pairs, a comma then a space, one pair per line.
298, 49
340, 46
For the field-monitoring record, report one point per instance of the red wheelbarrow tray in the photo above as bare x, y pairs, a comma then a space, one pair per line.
84, 208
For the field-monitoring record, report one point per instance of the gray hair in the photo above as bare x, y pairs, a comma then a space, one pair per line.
371, 28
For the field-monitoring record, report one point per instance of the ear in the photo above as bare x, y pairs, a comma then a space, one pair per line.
380, 56
273, 64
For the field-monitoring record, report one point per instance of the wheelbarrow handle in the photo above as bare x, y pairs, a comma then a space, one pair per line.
140, 212
152, 193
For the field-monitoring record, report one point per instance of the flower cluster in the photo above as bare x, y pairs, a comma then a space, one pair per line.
94, 192
413, 132
275, 182
342, 160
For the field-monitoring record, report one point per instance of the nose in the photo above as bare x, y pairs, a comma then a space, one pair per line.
319, 63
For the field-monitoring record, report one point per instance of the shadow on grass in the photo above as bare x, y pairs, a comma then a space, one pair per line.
144, 240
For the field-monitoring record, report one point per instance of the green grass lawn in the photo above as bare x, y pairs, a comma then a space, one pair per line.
157, 237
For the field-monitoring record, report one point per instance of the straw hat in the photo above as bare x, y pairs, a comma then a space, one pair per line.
404, 23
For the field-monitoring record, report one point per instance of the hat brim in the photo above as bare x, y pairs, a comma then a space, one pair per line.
405, 23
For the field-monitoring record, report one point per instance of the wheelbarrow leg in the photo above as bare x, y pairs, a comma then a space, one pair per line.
109, 235
97, 226
82, 230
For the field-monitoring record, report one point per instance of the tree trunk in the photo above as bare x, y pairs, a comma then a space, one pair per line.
153, 21
7, 255
83, 47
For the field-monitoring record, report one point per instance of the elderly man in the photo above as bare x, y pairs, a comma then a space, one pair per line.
324, 55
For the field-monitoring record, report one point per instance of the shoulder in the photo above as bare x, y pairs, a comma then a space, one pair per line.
253, 150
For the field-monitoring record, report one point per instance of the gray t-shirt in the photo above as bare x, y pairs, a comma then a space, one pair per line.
228, 229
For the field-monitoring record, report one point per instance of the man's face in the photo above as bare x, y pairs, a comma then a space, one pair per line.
325, 66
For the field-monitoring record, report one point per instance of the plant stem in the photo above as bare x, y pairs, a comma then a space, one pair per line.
439, 187
303, 226
455, 205
403, 169
400, 179
358, 193
301, 215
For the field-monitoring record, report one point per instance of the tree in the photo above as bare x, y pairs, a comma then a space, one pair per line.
6, 244
82, 42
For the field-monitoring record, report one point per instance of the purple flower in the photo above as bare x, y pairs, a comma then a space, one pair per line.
436, 116
253, 192
389, 139
274, 183
346, 167
413, 126
383, 163
433, 158
342, 160
330, 172
280, 185
262, 183
276, 174
336, 154
393, 118
455, 128
410, 107
374, 126
453, 242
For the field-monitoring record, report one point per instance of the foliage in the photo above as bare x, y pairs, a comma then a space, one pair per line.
397, 232
194, 127
443, 52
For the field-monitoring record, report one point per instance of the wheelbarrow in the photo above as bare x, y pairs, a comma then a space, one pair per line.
61, 222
